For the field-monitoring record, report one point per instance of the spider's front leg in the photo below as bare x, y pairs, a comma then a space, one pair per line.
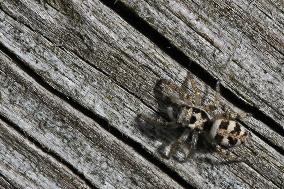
230, 114
173, 147
174, 94
216, 102
157, 121
188, 150
189, 79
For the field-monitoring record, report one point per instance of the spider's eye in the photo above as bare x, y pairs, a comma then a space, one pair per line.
196, 110
192, 120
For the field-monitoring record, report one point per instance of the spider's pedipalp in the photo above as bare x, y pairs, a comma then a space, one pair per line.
157, 121
196, 91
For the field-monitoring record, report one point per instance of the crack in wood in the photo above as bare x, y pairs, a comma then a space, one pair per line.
121, 86
47, 151
101, 121
7, 182
163, 43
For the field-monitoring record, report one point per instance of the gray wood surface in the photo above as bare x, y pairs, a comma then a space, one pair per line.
4, 184
104, 161
26, 166
104, 72
248, 33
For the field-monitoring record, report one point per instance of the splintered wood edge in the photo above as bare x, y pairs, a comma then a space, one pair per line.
161, 65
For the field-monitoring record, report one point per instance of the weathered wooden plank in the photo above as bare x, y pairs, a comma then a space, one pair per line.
90, 37
4, 184
250, 33
26, 166
101, 95
104, 160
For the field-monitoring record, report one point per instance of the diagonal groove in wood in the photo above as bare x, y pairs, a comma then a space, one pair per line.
85, 60
47, 151
277, 148
162, 42
7, 181
171, 76
101, 121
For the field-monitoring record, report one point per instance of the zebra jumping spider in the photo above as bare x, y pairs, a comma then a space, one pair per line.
185, 111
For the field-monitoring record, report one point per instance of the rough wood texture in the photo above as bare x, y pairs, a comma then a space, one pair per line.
4, 184
100, 157
249, 33
28, 167
89, 55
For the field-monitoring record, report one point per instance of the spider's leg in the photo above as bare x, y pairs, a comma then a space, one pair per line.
158, 121
217, 94
227, 155
193, 143
243, 115
184, 89
229, 113
173, 146
205, 96
221, 151
171, 92
216, 102
170, 112
196, 91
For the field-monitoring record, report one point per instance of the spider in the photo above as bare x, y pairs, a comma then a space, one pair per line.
221, 131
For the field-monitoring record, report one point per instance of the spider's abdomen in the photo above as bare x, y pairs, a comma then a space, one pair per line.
227, 133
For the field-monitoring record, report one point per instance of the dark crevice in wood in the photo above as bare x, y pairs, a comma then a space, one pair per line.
7, 180
100, 120
47, 151
85, 60
280, 52
264, 176
271, 144
163, 43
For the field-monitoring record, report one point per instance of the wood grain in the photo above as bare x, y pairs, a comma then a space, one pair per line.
104, 65
28, 167
101, 158
4, 184
238, 42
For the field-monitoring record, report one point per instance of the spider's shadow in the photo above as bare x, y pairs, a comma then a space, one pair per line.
165, 135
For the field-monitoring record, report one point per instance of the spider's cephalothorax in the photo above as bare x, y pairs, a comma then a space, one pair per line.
188, 116
185, 111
